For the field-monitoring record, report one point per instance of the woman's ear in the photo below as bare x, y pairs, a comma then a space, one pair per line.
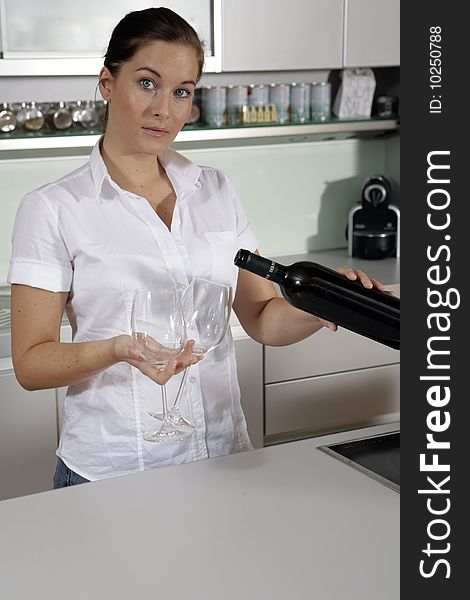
104, 82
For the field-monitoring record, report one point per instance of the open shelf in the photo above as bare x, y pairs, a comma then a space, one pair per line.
265, 132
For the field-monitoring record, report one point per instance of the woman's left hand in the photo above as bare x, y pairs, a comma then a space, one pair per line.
367, 282
354, 274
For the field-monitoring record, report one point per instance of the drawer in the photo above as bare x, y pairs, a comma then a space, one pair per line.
332, 403
323, 353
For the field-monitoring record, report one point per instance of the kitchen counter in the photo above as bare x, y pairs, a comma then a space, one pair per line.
287, 521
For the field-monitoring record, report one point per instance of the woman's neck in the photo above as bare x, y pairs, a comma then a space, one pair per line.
130, 170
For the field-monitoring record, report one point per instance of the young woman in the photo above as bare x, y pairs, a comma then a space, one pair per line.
137, 212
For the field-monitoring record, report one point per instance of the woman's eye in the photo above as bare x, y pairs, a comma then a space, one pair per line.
182, 93
147, 84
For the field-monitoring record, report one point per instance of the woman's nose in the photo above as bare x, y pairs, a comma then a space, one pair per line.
161, 105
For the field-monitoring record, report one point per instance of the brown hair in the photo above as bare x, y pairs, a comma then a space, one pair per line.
144, 26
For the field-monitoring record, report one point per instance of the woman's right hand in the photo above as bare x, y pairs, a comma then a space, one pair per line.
125, 349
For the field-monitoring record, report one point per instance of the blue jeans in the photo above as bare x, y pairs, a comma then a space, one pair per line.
65, 477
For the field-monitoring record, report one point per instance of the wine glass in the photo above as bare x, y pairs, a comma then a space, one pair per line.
159, 331
206, 309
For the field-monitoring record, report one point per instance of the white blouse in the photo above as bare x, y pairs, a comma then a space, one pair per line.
85, 235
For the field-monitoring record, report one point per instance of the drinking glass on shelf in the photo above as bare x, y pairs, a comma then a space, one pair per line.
158, 329
206, 310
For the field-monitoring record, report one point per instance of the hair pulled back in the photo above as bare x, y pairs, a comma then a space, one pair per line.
145, 26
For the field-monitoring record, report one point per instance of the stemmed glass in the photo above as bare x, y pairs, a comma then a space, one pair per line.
158, 329
206, 309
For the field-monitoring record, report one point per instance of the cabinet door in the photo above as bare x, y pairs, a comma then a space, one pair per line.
266, 35
250, 378
321, 405
60, 29
28, 439
372, 33
324, 353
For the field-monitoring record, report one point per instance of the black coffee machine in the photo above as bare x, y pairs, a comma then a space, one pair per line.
374, 224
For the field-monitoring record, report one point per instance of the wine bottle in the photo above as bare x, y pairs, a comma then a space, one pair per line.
327, 294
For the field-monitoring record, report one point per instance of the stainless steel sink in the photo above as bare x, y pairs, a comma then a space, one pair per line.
376, 456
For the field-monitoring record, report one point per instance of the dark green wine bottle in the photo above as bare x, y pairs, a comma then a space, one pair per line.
327, 294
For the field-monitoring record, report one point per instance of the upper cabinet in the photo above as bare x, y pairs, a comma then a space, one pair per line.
263, 35
372, 33
66, 38
70, 38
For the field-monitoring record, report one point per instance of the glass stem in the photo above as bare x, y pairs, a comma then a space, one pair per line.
164, 400
180, 389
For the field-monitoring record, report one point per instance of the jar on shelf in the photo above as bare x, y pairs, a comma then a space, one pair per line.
386, 106
237, 98
320, 100
85, 115
7, 118
30, 117
59, 117
279, 95
258, 94
299, 102
214, 105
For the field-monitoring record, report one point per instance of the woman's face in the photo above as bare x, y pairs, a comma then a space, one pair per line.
150, 98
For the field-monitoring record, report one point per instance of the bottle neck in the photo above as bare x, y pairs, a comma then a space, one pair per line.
260, 266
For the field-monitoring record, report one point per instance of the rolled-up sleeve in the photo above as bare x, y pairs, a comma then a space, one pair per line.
39, 256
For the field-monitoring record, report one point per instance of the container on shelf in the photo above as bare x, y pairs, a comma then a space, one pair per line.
386, 106
299, 102
30, 117
59, 117
7, 118
279, 96
214, 105
320, 101
85, 115
258, 94
237, 98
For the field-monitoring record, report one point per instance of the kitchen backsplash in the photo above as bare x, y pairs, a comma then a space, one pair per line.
297, 196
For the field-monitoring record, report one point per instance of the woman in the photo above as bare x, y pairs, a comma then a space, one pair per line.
137, 211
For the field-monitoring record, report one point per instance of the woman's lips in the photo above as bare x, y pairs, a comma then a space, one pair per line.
155, 131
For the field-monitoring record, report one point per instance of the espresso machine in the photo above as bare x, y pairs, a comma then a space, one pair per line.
373, 230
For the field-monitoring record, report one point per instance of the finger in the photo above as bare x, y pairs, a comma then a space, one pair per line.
377, 284
354, 274
349, 272
187, 350
162, 376
329, 325
364, 279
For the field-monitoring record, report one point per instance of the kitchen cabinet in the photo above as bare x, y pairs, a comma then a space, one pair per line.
320, 34
326, 352
331, 403
330, 381
249, 355
28, 438
372, 33
275, 36
57, 39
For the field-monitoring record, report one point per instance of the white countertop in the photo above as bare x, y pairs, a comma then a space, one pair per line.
282, 522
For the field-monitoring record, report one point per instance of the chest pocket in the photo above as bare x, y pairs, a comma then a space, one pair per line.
223, 247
